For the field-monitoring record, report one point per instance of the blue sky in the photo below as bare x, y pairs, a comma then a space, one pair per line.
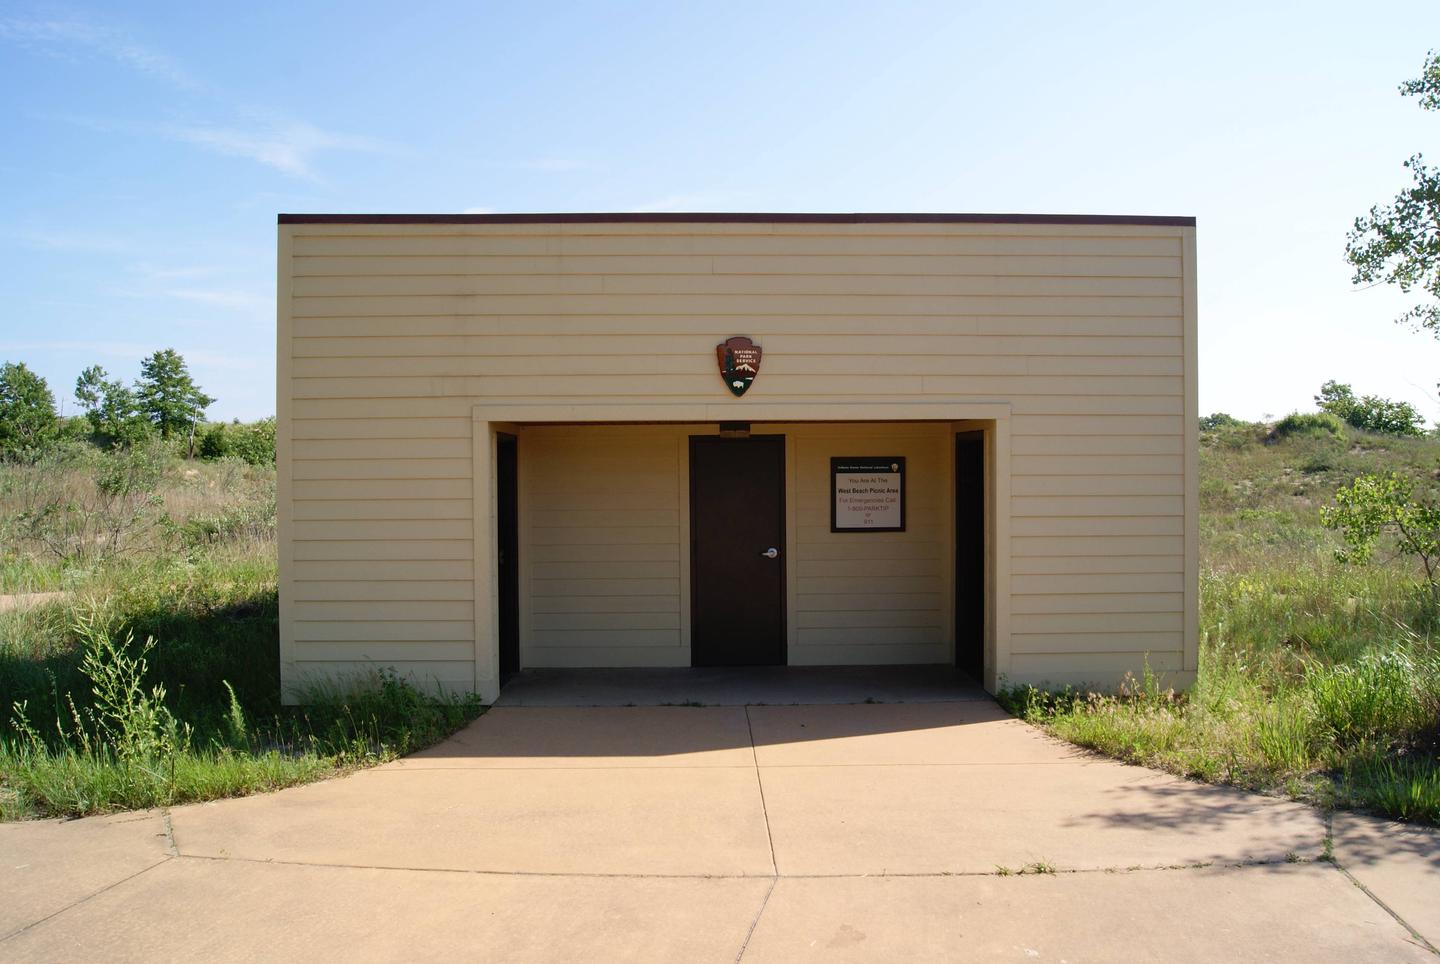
146, 149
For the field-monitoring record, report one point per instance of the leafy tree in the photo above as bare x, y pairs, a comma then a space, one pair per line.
1210, 423
27, 410
1400, 244
1370, 412
168, 396
113, 410
1386, 505
90, 387
1335, 398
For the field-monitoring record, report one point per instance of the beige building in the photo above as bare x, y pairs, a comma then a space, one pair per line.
515, 441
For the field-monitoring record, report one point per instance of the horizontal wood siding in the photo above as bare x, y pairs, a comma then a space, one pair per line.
901, 612
380, 558
600, 546
390, 334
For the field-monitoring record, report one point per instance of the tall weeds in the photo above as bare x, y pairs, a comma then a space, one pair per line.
121, 747
153, 679
1316, 679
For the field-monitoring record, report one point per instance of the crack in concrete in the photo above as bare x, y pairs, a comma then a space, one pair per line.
169, 832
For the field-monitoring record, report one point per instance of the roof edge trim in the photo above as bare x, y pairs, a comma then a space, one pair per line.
747, 218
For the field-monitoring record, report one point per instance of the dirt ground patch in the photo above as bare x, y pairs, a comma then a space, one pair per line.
24, 600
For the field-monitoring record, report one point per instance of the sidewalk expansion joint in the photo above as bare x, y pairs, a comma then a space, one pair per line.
83, 900
745, 944
1415, 935
764, 811
391, 768
774, 876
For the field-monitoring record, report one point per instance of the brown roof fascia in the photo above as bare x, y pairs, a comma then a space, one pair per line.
719, 218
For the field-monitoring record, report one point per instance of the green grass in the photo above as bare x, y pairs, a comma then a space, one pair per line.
214, 626
1317, 680
197, 574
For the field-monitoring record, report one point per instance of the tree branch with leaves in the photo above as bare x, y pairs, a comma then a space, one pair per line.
1386, 506
1399, 243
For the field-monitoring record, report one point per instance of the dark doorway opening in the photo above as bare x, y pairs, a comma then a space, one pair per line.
737, 545
970, 553
507, 545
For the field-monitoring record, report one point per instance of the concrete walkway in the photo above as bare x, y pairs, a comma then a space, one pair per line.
918, 831
739, 686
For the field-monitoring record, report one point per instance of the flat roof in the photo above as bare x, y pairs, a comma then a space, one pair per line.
712, 217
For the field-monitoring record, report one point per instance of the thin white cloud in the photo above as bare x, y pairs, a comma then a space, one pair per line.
203, 286
481, 210
288, 147
63, 36
236, 299
75, 241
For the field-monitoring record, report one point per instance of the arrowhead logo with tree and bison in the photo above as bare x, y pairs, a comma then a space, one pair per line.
739, 359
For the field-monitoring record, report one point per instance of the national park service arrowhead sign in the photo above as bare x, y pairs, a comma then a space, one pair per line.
739, 359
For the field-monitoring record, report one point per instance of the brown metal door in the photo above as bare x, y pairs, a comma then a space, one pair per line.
737, 545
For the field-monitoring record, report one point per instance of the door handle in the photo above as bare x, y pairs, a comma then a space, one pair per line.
771, 553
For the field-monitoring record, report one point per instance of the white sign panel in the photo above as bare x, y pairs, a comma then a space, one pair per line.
868, 494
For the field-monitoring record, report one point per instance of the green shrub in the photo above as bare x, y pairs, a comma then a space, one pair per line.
73, 430
1302, 424
254, 442
1370, 413
1223, 431
211, 442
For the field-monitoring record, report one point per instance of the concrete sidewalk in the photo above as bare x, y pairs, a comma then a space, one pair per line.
926, 831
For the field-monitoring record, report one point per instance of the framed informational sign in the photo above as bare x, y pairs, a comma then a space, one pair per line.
867, 494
